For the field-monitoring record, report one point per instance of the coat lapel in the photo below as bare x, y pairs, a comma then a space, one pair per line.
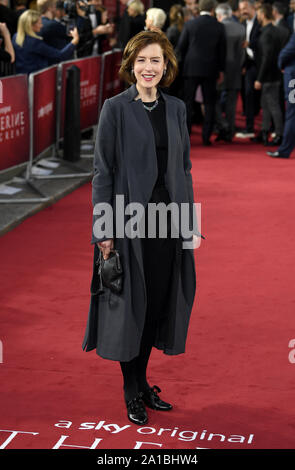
131, 93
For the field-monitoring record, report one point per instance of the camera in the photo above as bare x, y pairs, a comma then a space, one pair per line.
71, 14
71, 9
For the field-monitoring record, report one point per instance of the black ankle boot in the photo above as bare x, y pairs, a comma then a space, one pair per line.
265, 137
152, 400
276, 141
261, 138
136, 411
223, 135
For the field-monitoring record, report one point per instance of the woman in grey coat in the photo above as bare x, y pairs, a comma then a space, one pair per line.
142, 157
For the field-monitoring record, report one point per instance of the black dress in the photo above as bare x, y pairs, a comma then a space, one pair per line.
158, 253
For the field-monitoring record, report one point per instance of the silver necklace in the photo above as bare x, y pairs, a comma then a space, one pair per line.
150, 108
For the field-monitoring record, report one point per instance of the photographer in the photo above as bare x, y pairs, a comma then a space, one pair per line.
100, 24
86, 31
53, 32
31, 52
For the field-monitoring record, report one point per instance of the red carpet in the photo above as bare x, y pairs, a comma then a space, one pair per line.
234, 386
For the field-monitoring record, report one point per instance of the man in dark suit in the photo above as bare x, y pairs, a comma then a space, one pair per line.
235, 53
251, 97
291, 16
53, 32
269, 75
278, 11
286, 63
202, 50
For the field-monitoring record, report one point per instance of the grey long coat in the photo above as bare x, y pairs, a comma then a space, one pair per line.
125, 163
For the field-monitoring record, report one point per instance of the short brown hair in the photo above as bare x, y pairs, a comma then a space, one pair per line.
43, 5
266, 9
139, 42
207, 5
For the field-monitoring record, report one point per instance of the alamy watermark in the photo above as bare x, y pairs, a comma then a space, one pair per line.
291, 355
184, 221
291, 95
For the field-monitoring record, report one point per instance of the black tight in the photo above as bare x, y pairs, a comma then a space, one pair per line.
134, 371
158, 256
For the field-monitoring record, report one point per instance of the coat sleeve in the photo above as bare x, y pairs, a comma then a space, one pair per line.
287, 53
103, 166
41, 48
187, 165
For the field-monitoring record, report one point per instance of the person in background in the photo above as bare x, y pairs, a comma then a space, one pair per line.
192, 9
228, 90
155, 19
102, 28
236, 13
137, 14
278, 13
54, 33
8, 16
20, 6
202, 50
124, 25
291, 16
60, 13
31, 52
251, 96
269, 75
86, 31
176, 21
286, 63
7, 55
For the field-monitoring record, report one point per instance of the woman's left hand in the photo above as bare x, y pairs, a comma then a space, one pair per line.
196, 241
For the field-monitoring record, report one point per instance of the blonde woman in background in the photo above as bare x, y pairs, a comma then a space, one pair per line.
135, 8
155, 19
136, 12
31, 52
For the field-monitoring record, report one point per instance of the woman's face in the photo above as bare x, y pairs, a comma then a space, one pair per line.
149, 66
131, 12
36, 27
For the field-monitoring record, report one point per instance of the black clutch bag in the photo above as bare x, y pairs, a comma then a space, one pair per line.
109, 272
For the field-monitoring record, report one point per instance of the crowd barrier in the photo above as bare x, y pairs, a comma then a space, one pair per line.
14, 121
90, 70
33, 108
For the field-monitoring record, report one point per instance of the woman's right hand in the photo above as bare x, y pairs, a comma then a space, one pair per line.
75, 35
104, 29
105, 247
